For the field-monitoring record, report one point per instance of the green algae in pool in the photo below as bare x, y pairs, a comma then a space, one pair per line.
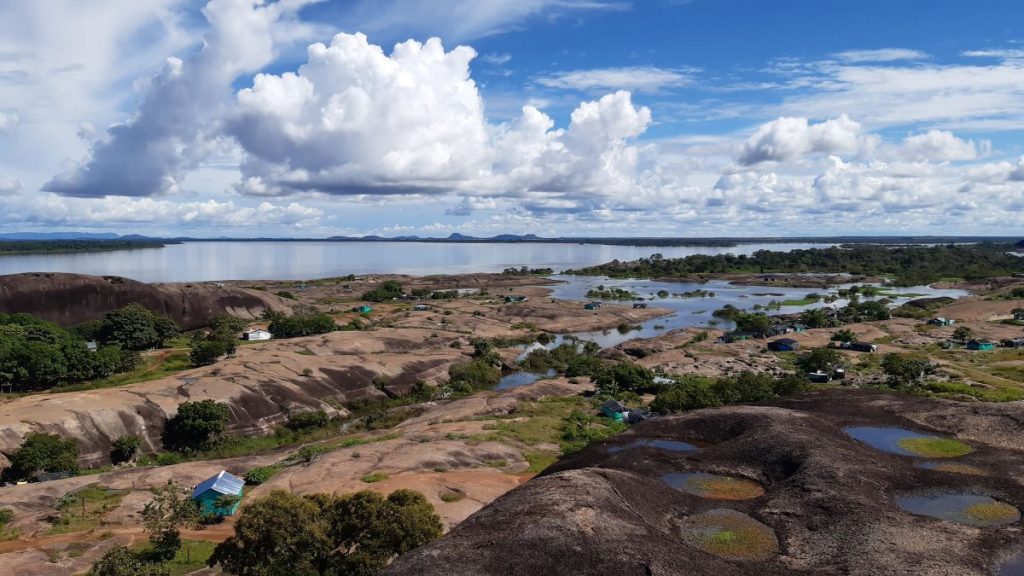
971, 509
656, 443
731, 535
907, 442
713, 486
953, 467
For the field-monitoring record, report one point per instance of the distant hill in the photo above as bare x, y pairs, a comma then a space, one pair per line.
60, 236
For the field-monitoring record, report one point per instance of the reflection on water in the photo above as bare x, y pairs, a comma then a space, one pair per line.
657, 444
205, 261
971, 509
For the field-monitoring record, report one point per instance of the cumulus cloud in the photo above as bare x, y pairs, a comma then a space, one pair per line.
636, 79
942, 146
354, 120
790, 138
9, 121
149, 154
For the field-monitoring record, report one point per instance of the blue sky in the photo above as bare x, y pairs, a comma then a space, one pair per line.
555, 117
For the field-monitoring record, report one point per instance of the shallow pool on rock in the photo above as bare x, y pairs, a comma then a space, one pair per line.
656, 443
731, 535
953, 467
713, 486
1012, 567
907, 442
970, 509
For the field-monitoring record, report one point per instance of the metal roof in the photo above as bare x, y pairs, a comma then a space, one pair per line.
222, 483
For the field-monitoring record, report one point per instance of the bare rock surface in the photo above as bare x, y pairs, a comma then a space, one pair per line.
831, 501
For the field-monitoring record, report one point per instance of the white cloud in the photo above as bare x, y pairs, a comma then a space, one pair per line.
459, 20
150, 153
9, 121
635, 79
789, 138
9, 185
1010, 53
880, 55
942, 146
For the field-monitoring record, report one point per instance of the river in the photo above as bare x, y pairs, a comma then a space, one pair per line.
206, 261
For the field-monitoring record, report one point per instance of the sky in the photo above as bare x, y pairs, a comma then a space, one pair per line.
687, 118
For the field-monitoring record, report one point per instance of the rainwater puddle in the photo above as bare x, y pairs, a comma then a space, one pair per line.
713, 486
970, 509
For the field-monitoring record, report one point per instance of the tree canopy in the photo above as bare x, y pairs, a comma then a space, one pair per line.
43, 453
321, 534
195, 426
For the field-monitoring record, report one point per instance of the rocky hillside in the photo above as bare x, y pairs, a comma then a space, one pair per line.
69, 299
765, 489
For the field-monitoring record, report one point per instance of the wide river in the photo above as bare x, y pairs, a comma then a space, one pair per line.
205, 261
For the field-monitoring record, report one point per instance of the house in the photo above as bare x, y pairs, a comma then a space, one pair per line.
364, 309
615, 410
940, 321
839, 374
257, 334
591, 306
207, 493
640, 305
799, 328
91, 346
514, 299
783, 345
1012, 343
860, 347
730, 337
980, 345
1018, 314
421, 307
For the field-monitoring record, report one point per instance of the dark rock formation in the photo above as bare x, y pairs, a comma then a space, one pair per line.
69, 299
830, 500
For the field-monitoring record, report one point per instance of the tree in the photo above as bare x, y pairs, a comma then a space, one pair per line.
624, 376
135, 327
196, 425
356, 535
388, 290
844, 335
754, 323
43, 453
962, 334
122, 561
905, 372
688, 393
124, 448
206, 352
816, 318
819, 360
170, 510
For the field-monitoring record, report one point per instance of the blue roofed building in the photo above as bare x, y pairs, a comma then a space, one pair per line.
208, 494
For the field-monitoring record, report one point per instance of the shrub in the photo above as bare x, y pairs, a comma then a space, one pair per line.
261, 474
43, 453
388, 290
306, 420
125, 448
196, 425
476, 374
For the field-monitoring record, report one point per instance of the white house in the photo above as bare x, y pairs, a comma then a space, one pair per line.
257, 334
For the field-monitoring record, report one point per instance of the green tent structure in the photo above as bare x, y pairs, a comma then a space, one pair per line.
209, 493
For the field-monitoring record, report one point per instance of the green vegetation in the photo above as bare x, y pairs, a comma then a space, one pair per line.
171, 509
220, 340
135, 327
820, 360
908, 265
305, 321
124, 448
15, 247
37, 355
692, 392
524, 271
844, 335
356, 534
196, 425
906, 372
388, 290
805, 301
83, 509
477, 374
602, 293
935, 447
123, 561
580, 429
42, 453
261, 474
155, 367
375, 477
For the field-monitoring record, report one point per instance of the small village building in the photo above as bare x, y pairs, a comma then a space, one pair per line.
783, 345
257, 334
210, 492
1018, 315
940, 321
513, 299
91, 346
639, 305
980, 345
615, 410
799, 328
861, 347
591, 306
364, 309
421, 307
818, 377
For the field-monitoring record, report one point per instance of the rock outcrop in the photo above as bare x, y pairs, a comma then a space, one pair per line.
69, 299
831, 504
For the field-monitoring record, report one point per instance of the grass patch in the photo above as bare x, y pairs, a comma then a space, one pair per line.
991, 512
452, 495
801, 302
726, 488
732, 535
375, 477
539, 461
496, 463
192, 556
83, 509
538, 422
935, 447
951, 389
